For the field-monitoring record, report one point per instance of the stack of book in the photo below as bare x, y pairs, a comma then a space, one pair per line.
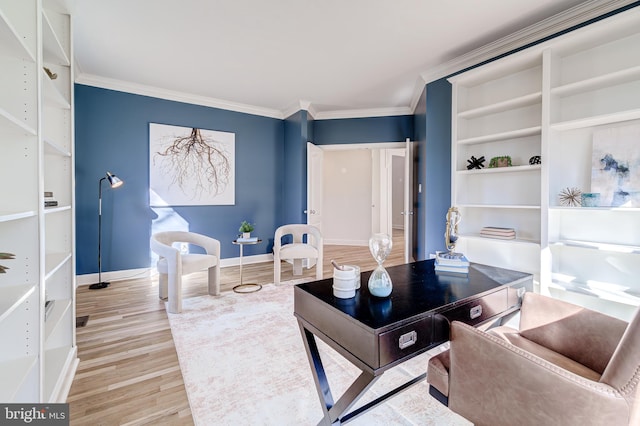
246, 240
49, 201
500, 233
456, 265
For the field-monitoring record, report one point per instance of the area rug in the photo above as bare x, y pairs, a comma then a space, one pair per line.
244, 363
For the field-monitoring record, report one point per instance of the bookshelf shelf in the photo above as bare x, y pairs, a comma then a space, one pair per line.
550, 101
36, 129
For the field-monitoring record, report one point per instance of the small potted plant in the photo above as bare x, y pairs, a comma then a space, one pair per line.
501, 161
246, 228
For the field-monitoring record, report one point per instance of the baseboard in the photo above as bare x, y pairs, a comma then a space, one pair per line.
246, 260
128, 274
62, 388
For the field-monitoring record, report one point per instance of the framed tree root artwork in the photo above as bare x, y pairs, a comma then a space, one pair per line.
189, 166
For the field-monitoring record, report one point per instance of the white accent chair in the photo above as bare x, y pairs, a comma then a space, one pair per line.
298, 250
172, 265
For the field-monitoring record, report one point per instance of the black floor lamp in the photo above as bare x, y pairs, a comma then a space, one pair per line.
114, 182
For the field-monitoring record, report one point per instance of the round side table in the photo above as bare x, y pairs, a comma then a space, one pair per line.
245, 287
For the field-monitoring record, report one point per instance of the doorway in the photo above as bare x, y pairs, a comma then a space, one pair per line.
363, 192
397, 197
397, 205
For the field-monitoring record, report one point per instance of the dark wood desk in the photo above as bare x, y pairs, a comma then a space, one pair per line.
376, 334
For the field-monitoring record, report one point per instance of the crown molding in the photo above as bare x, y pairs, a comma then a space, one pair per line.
313, 112
346, 113
308, 106
300, 106
291, 110
417, 93
363, 113
172, 95
562, 21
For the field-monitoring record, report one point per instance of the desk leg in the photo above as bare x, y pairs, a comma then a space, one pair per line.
333, 412
337, 413
319, 375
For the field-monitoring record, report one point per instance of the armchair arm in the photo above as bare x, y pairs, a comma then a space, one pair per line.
317, 237
583, 335
163, 250
210, 245
277, 239
170, 253
495, 383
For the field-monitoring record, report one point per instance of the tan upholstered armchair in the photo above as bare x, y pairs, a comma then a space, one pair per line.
567, 365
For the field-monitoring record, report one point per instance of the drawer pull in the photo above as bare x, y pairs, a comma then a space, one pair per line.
408, 339
475, 312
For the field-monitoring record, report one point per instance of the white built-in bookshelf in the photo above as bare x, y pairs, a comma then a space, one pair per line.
39, 354
549, 100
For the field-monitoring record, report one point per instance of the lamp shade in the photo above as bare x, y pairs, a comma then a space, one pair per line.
114, 180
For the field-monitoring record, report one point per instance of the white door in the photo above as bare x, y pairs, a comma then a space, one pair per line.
315, 157
408, 202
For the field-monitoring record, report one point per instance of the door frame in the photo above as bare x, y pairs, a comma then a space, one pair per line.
354, 146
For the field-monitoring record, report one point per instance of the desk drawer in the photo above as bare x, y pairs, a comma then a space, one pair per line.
405, 340
478, 310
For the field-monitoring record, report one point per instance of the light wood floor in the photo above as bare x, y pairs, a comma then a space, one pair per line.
129, 372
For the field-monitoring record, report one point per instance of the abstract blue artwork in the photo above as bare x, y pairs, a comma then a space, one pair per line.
615, 171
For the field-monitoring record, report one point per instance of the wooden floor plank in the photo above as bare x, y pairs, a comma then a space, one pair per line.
129, 372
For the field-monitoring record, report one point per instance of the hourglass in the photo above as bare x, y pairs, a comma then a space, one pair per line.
380, 282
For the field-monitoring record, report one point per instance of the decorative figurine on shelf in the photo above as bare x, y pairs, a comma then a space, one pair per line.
451, 233
475, 163
501, 161
52, 75
535, 160
6, 256
570, 197
380, 282
590, 199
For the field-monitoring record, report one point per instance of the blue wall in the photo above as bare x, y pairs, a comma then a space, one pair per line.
432, 123
363, 130
298, 130
112, 134
436, 164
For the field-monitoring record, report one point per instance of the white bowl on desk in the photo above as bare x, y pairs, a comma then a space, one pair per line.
344, 282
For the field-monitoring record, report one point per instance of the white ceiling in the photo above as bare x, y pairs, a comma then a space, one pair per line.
276, 55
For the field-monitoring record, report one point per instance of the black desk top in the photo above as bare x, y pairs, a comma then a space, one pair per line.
416, 289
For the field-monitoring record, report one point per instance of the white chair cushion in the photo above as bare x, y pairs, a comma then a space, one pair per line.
190, 263
297, 251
